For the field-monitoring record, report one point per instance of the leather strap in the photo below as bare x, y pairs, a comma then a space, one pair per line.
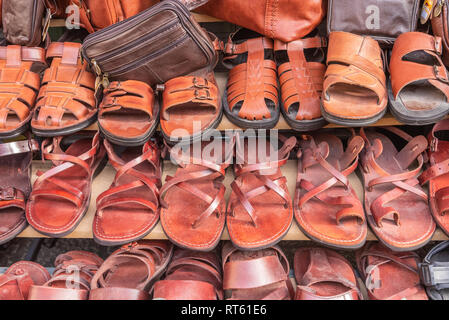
435, 274
54, 293
305, 293
116, 293
184, 290
18, 147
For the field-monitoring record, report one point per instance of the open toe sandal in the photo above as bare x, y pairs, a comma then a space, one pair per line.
251, 99
16, 282
19, 86
129, 209
256, 275
396, 206
66, 102
354, 90
323, 274
128, 114
191, 108
191, 275
390, 275
301, 76
419, 87
15, 186
130, 272
260, 211
71, 278
193, 209
61, 195
434, 272
327, 208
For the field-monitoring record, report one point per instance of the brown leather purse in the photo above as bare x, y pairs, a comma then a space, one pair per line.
440, 20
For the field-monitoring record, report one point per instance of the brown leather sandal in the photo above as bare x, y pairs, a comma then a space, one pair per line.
301, 77
193, 204
16, 282
191, 275
390, 275
67, 185
15, 186
129, 209
396, 206
66, 102
322, 274
259, 210
354, 89
71, 278
129, 112
130, 272
251, 99
19, 86
327, 208
256, 275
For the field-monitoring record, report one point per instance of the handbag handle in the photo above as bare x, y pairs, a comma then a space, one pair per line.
193, 4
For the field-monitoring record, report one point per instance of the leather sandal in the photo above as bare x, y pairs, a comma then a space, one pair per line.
251, 99
354, 90
19, 86
129, 209
191, 108
323, 274
16, 282
327, 208
301, 77
128, 114
67, 185
396, 206
436, 175
434, 272
130, 272
259, 210
15, 186
256, 275
71, 278
191, 275
419, 87
66, 102
193, 204
390, 275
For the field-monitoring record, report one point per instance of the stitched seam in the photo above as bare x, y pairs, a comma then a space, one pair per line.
142, 230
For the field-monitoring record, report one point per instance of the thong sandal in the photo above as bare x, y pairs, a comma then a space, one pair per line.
256, 275
66, 102
129, 209
251, 99
16, 282
128, 114
67, 185
322, 274
434, 272
301, 79
396, 206
259, 210
71, 278
419, 87
327, 208
15, 186
130, 272
19, 86
390, 275
354, 90
191, 275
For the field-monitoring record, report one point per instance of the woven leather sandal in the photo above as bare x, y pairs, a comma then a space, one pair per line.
129, 209
71, 278
191, 275
67, 185
130, 272
301, 80
19, 86
434, 272
66, 102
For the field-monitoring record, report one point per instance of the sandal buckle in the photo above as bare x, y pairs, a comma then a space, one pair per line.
129, 246
438, 76
433, 145
426, 274
202, 95
200, 83
438, 45
8, 194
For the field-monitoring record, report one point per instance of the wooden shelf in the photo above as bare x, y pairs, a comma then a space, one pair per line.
103, 181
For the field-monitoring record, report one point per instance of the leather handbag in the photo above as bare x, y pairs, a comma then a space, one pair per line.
439, 21
22, 21
383, 20
285, 20
158, 44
